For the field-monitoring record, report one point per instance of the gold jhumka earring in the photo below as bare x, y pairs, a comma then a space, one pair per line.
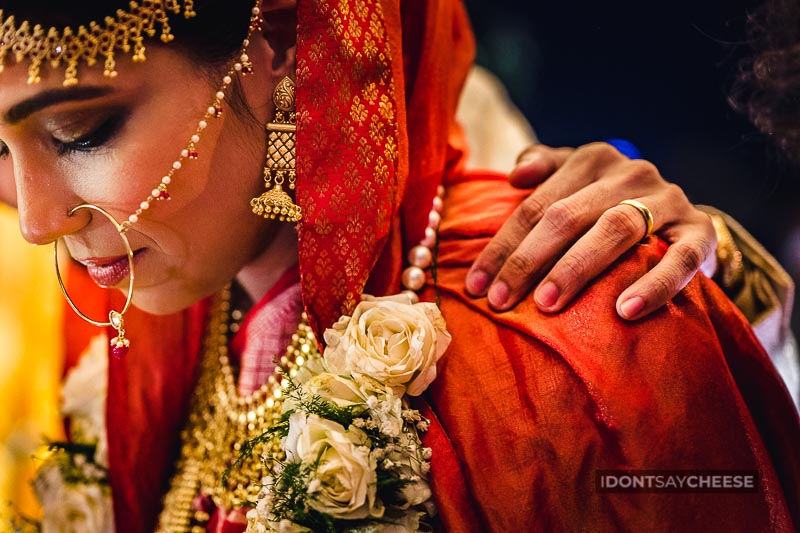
280, 163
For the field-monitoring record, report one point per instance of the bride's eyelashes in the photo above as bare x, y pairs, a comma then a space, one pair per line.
85, 140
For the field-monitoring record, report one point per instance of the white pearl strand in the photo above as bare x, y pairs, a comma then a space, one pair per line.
420, 257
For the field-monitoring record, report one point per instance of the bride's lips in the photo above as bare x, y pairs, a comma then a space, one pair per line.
108, 271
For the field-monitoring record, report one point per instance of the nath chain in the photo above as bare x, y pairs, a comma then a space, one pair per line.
243, 66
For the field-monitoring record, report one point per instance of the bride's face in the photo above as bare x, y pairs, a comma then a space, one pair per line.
109, 142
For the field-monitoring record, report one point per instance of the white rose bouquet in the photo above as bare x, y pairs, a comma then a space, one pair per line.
353, 457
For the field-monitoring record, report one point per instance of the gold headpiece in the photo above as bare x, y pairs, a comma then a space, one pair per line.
125, 32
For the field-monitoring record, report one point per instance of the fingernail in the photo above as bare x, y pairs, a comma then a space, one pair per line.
477, 281
498, 295
547, 294
529, 158
631, 307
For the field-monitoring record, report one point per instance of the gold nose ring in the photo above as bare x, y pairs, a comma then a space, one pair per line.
119, 344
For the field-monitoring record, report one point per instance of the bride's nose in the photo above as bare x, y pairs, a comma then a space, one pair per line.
43, 203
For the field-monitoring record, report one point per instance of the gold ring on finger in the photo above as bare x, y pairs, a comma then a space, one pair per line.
646, 214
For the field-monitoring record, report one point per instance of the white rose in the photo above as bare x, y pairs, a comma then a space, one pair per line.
341, 391
407, 523
72, 508
347, 487
314, 365
390, 340
255, 522
297, 423
287, 526
416, 492
385, 407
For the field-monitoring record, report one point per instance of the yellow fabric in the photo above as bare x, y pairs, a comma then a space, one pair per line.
30, 366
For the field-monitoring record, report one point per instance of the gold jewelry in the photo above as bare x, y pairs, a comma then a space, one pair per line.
730, 262
124, 31
88, 43
280, 163
220, 421
646, 214
119, 344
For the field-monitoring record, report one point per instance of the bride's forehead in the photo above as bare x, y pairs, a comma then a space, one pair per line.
165, 71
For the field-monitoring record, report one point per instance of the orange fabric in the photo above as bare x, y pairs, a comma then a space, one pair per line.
533, 404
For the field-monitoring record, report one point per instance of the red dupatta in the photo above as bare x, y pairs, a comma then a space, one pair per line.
377, 89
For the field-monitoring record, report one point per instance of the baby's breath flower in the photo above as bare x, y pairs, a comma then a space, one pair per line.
314, 486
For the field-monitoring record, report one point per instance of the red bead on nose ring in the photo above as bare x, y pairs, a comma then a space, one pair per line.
119, 344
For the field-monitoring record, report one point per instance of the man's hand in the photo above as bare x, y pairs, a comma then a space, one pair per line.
572, 227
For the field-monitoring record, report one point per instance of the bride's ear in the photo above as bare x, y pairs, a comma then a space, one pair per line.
280, 31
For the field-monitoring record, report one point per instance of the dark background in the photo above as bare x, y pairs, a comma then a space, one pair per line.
657, 74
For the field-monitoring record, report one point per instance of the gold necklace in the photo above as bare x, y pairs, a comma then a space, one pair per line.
221, 421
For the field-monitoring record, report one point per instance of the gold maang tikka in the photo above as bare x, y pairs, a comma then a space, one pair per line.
280, 163
125, 31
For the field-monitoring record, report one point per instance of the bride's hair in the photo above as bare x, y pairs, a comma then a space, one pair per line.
767, 88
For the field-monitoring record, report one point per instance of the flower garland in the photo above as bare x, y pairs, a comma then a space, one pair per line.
72, 482
354, 459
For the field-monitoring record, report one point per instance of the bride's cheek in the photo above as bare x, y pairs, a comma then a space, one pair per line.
8, 190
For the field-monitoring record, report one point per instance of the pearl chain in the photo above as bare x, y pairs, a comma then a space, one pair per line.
420, 257
243, 66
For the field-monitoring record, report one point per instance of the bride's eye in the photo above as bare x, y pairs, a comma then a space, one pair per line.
97, 137
4, 152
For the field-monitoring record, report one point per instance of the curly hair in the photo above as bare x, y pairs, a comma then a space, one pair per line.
767, 88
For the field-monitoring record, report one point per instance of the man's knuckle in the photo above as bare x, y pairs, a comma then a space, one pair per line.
518, 265
690, 256
662, 287
571, 270
530, 211
562, 216
641, 171
495, 253
598, 151
676, 195
621, 224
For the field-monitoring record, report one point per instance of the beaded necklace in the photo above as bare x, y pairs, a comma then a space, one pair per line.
220, 421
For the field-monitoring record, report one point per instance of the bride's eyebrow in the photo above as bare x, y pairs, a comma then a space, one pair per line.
44, 99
